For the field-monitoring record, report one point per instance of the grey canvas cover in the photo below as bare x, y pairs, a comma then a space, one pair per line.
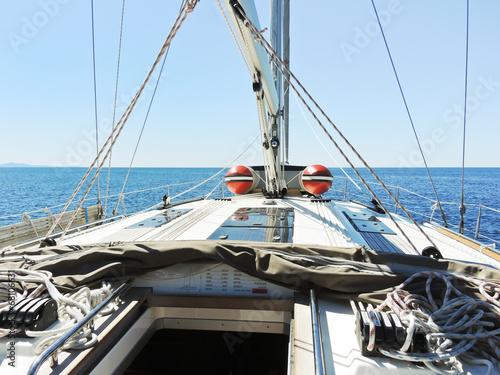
354, 272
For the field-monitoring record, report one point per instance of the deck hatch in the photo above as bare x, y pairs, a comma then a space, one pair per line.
160, 219
372, 226
264, 216
357, 215
264, 224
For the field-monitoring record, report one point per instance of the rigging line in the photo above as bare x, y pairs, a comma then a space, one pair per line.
251, 66
270, 173
145, 121
234, 37
462, 198
216, 186
261, 113
114, 104
443, 216
190, 182
268, 49
263, 138
269, 159
213, 176
323, 145
189, 7
264, 132
95, 96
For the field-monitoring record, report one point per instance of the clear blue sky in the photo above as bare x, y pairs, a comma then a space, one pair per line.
204, 113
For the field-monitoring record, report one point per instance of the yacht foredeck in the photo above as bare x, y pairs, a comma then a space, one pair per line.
301, 221
208, 296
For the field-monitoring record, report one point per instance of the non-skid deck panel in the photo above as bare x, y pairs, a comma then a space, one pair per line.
128, 234
378, 242
160, 219
334, 230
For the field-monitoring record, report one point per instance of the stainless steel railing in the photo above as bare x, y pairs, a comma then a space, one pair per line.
319, 357
482, 210
51, 351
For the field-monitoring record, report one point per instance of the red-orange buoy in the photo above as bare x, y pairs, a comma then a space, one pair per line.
241, 179
316, 179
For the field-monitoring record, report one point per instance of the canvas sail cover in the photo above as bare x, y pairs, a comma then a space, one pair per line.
354, 272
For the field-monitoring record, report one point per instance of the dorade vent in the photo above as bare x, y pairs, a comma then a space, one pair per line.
263, 224
316, 179
241, 180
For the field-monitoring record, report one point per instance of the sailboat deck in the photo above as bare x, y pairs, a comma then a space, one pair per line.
210, 296
302, 221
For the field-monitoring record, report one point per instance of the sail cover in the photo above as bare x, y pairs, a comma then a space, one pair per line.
355, 272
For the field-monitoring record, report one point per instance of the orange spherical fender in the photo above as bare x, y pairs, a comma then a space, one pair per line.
241, 179
316, 179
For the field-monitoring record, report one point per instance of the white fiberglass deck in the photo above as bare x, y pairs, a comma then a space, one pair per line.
316, 222
297, 220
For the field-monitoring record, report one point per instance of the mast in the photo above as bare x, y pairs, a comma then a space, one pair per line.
276, 35
286, 59
265, 85
254, 51
280, 41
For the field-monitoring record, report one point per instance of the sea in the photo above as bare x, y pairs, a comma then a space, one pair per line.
38, 190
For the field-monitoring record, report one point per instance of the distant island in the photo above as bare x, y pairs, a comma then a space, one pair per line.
19, 165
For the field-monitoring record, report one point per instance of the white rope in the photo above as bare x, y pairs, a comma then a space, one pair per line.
188, 8
121, 198
27, 218
266, 151
269, 162
46, 209
211, 191
459, 327
219, 172
72, 308
114, 104
487, 247
281, 66
323, 145
263, 138
234, 37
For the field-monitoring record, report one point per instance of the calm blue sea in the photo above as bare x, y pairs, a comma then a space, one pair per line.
31, 189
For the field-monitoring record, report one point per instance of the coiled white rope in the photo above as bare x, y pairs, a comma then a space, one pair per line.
457, 328
72, 307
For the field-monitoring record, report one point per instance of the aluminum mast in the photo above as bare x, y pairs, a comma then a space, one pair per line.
263, 82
